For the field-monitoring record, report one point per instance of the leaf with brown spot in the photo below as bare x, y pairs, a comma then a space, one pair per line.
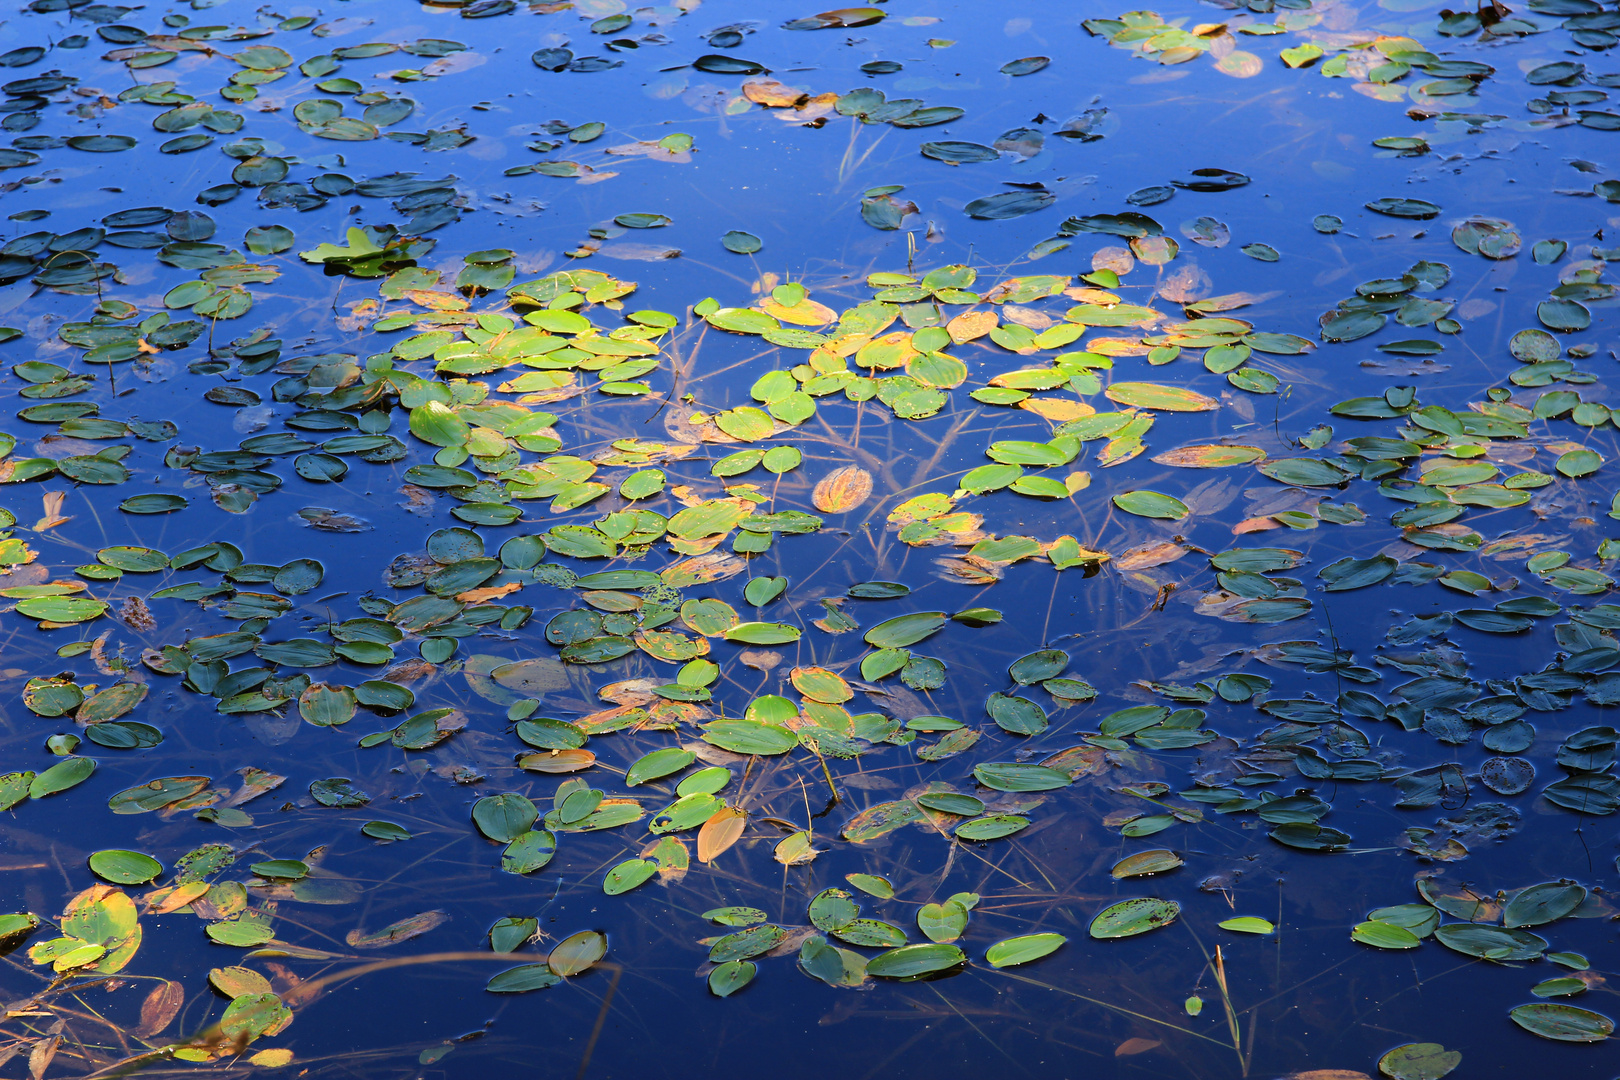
181, 896
557, 761
805, 313
434, 300
111, 703
971, 325
1210, 456
1078, 761
1117, 347
1146, 395
1057, 410
842, 490
1093, 296
721, 831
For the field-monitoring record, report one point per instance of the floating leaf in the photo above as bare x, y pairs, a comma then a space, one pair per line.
1131, 917
1155, 396
1151, 504
1563, 1023
125, 867
909, 961
1419, 1061
1010, 952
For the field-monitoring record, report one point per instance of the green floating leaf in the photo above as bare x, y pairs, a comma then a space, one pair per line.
1157, 861
1419, 1061
658, 764
871, 884
61, 776
505, 817
125, 867
627, 875
1383, 935
1151, 504
910, 961
154, 503
1564, 1024
1021, 950
520, 980
726, 979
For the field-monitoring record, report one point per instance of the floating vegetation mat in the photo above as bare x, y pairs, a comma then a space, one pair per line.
554, 538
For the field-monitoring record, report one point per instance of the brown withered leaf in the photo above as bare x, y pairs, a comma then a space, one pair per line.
1229, 302
703, 569
842, 490
760, 659
1186, 284
361, 314
44, 1051
811, 110
969, 569
971, 325
1152, 553
409, 671
255, 782
135, 614
52, 505
772, 94
492, 592
1079, 761
606, 720
631, 692
1026, 317
1118, 347
107, 665
160, 1008
639, 252
403, 930
416, 500
1136, 1046
328, 520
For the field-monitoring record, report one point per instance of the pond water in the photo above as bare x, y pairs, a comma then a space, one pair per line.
585, 541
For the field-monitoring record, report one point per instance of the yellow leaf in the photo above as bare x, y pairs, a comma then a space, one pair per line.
721, 831
842, 490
